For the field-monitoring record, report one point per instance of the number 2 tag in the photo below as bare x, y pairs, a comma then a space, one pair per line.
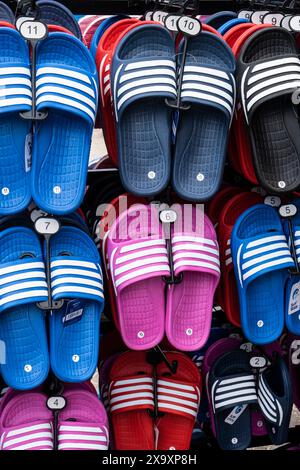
33, 30
47, 225
258, 362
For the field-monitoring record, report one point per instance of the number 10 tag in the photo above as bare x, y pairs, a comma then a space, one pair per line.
189, 26
33, 30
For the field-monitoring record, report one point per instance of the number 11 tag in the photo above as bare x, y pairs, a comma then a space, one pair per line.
33, 30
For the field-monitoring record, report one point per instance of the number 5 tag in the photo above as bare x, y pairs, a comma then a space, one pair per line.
288, 210
33, 30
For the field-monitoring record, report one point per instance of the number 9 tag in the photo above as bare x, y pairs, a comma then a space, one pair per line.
288, 210
33, 30
273, 19
189, 26
47, 226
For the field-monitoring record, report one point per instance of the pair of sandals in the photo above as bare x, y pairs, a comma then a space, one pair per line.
242, 401
54, 172
137, 264
27, 424
76, 278
262, 260
133, 388
138, 72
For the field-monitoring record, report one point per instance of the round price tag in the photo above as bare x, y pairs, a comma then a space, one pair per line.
289, 210
168, 216
273, 18
148, 15
47, 225
160, 16
285, 22
245, 14
258, 362
257, 16
189, 26
273, 201
171, 22
56, 403
22, 20
294, 23
33, 30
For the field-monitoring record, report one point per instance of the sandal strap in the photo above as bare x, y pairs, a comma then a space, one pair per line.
131, 394
29, 436
82, 436
232, 391
178, 398
268, 403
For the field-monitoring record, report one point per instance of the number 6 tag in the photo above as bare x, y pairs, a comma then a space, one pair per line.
33, 30
189, 26
47, 226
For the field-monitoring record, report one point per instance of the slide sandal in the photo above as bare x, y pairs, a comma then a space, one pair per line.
233, 34
143, 76
261, 258
178, 398
138, 261
52, 12
75, 328
232, 388
26, 423
216, 204
292, 288
202, 133
101, 30
269, 72
67, 89
131, 396
225, 27
196, 258
215, 351
83, 424
218, 19
22, 323
6, 13
109, 38
275, 399
243, 156
229, 214
15, 193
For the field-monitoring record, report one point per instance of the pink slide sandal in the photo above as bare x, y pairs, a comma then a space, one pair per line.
83, 424
26, 422
196, 257
138, 261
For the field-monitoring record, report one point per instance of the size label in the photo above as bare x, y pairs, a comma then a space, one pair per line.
245, 14
258, 362
74, 312
168, 216
273, 18
285, 22
189, 26
235, 414
33, 30
294, 23
22, 20
171, 22
148, 15
257, 16
56, 403
160, 16
294, 301
295, 352
47, 225
273, 201
36, 214
289, 210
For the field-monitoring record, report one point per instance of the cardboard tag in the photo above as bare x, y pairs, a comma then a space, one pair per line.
235, 414
74, 312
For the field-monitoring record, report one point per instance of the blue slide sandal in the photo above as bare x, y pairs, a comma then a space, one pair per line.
52, 12
6, 13
75, 329
15, 132
292, 289
202, 133
217, 19
230, 24
67, 89
143, 76
22, 323
261, 259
